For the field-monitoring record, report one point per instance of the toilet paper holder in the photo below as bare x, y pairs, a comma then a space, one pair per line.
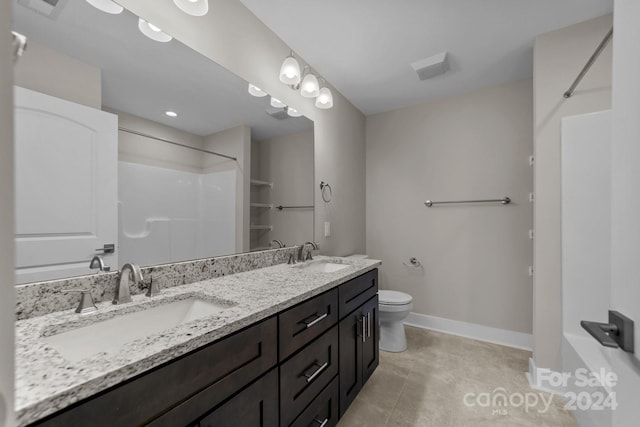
413, 263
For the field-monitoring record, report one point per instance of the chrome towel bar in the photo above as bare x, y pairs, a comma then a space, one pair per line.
505, 201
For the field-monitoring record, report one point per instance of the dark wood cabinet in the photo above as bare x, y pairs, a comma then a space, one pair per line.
255, 406
302, 367
181, 391
324, 410
359, 354
306, 374
303, 323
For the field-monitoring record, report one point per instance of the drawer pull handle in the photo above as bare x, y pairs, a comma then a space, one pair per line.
322, 423
311, 377
368, 324
314, 321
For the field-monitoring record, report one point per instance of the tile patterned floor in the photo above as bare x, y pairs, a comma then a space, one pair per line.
426, 386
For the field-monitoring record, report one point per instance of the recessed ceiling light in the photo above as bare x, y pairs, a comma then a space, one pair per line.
106, 6
171, 113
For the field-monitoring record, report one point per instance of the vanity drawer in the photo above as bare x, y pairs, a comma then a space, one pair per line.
184, 389
306, 374
356, 292
324, 410
301, 324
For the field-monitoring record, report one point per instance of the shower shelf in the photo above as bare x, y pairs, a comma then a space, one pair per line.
258, 183
261, 227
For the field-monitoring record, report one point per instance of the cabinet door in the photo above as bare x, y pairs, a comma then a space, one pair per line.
370, 350
351, 344
255, 406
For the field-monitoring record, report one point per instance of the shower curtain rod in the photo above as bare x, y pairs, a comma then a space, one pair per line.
589, 63
146, 135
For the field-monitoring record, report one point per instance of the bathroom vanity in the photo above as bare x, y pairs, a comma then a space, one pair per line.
292, 347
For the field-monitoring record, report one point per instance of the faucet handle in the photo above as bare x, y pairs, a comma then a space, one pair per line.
86, 304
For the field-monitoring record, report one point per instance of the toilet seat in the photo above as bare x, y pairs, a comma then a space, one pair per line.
393, 298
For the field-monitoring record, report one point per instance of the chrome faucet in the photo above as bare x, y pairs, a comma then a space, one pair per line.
98, 262
123, 295
277, 242
301, 257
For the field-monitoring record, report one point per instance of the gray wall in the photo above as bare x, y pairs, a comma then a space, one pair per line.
47, 71
6, 219
475, 257
234, 38
558, 57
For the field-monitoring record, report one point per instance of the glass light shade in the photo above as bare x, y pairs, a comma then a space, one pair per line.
293, 112
193, 7
256, 91
153, 32
324, 99
309, 88
107, 6
276, 103
290, 71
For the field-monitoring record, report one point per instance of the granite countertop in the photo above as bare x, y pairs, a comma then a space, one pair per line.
47, 382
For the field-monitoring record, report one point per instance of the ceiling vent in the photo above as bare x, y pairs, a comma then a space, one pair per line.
431, 66
48, 8
277, 113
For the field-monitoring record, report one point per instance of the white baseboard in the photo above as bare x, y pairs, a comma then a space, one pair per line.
536, 383
471, 330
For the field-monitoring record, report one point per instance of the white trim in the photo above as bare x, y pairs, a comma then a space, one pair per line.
471, 330
534, 382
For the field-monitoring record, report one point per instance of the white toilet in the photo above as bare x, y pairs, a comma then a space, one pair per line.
394, 307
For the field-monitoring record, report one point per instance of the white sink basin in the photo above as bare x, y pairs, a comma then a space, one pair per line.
324, 267
113, 334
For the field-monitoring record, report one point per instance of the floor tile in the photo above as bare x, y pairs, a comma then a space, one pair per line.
441, 381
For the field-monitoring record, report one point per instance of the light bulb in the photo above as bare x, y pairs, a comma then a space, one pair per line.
293, 112
256, 91
171, 113
324, 99
193, 7
276, 103
107, 6
309, 86
152, 31
290, 71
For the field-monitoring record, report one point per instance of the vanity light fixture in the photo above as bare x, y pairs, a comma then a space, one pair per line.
307, 83
171, 113
153, 32
108, 6
309, 88
256, 91
276, 103
324, 100
290, 71
193, 7
292, 112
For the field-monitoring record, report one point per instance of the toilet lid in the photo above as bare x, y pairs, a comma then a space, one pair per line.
394, 298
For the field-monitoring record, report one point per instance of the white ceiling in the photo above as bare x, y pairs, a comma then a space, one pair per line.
147, 78
364, 48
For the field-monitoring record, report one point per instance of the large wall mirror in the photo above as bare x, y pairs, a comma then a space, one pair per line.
104, 168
